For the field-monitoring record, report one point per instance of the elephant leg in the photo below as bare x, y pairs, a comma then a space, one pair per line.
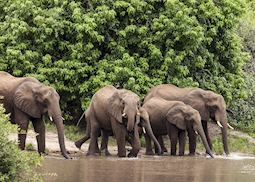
120, 134
161, 142
104, 142
39, 128
173, 136
93, 145
22, 120
135, 143
204, 124
79, 143
182, 141
192, 142
149, 150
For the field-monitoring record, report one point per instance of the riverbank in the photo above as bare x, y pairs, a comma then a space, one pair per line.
239, 142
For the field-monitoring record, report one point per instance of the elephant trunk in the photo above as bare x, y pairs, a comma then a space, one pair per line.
203, 138
131, 120
151, 135
60, 129
225, 138
58, 120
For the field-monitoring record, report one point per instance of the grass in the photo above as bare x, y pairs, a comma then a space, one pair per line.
236, 144
30, 147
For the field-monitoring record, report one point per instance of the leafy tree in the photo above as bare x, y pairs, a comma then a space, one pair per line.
79, 46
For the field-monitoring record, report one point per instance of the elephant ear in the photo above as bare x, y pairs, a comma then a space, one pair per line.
175, 116
116, 106
24, 99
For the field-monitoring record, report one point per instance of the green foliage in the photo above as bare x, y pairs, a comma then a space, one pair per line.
30, 146
15, 165
79, 46
243, 116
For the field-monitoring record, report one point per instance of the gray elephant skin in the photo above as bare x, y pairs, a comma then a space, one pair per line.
25, 98
209, 105
174, 118
115, 111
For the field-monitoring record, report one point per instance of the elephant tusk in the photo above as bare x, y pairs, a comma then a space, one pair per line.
196, 132
144, 130
51, 118
218, 123
138, 113
230, 126
1, 97
124, 115
63, 119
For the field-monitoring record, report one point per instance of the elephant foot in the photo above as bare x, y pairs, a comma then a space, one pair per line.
121, 154
90, 154
131, 154
78, 145
107, 153
149, 152
192, 154
43, 153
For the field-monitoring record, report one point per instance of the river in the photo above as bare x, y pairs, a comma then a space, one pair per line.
149, 169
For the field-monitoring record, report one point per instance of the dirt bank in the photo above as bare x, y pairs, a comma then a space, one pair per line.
52, 144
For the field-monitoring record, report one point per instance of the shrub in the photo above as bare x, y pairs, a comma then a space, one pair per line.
243, 116
15, 165
79, 46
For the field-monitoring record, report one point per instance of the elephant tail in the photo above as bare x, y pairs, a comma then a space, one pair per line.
79, 142
80, 119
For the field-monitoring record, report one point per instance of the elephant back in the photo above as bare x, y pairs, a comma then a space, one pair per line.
8, 86
168, 92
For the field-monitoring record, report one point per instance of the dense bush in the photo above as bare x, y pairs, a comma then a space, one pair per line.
243, 116
78, 46
15, 165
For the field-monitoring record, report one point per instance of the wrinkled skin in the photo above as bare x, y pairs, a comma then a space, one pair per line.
116, 111
28, 99
173, 118
207, 103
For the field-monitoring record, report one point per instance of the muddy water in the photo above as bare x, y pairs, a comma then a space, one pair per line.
150, 169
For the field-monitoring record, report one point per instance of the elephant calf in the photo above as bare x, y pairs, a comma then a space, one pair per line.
173, 118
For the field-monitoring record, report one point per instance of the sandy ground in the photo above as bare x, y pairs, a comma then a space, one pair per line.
52, 144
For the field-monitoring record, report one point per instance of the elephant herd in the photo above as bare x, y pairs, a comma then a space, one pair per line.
166, 110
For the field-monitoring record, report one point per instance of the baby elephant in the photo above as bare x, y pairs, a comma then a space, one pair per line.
173, 118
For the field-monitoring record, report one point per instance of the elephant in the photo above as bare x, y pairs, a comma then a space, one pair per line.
209, 105
174, 118
103, 133
25, 98
116, 111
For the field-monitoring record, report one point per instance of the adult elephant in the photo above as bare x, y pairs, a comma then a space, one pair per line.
28, 99
207, 103
173, 118
117, 111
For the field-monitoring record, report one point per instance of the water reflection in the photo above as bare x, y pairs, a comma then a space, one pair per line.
148, 169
